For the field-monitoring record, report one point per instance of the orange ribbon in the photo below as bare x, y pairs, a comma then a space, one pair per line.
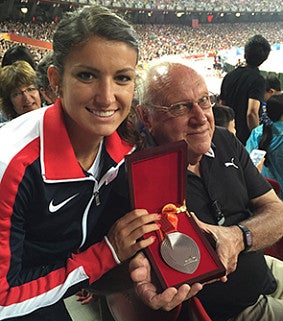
170, 213
169, 219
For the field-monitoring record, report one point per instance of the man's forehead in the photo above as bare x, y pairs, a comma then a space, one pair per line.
175, 81
184, 75
180, 77
169, 69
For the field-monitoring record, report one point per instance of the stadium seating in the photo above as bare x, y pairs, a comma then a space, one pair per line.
276, 250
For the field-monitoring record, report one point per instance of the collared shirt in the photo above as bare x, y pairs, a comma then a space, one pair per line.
230, 178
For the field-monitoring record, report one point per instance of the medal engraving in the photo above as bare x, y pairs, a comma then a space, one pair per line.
180, 252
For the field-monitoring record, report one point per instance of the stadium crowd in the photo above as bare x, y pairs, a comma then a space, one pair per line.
199, 5
159, 40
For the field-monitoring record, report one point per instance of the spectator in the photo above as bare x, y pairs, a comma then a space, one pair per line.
224, 116
251, 219
239, 63
269, 137
62, 173
47, 93
18, 91
18, 52
243, 88
272, 86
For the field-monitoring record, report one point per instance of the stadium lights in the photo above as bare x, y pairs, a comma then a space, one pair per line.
24, 10
179, 14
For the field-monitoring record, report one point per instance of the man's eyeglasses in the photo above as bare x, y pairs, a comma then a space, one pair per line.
182, 108
19, 93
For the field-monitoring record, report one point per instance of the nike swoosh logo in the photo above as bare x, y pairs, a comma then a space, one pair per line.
54, 208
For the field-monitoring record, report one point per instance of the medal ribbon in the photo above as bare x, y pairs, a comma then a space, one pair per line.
169, 220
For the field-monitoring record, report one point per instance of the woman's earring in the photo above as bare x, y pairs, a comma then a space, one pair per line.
57, 91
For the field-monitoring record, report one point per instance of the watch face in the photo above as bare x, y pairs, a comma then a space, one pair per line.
180, 252
249, 238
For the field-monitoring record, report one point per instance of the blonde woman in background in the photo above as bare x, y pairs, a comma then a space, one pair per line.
18, 90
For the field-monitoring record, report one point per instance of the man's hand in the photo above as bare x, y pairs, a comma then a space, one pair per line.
229, 243
167, 300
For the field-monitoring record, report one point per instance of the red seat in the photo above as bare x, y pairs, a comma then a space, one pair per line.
275, 185
276, 250
197, 311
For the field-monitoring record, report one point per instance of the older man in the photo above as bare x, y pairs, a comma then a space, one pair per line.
225, 191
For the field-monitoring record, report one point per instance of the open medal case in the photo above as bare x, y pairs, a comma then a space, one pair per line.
157, 176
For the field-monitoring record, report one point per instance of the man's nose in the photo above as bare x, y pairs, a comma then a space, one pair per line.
197, 114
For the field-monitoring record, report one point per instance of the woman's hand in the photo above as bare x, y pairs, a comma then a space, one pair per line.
85, 297
126, 233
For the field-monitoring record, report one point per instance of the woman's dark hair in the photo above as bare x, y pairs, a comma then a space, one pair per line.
79, 26
274, 109
76, 28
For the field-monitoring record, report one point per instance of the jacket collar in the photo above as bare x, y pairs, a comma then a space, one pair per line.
58, 159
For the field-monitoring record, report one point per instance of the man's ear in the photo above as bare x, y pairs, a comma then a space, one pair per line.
272, 91
54, 79
144, 116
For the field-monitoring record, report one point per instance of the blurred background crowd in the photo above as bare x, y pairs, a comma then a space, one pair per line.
159, 40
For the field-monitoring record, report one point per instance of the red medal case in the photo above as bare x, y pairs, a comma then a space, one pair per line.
157, 176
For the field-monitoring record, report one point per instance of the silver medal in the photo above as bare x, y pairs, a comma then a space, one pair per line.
180, 252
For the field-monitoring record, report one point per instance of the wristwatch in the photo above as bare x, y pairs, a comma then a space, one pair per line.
247, 236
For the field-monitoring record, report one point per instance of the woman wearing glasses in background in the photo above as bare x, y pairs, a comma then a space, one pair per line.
18, 92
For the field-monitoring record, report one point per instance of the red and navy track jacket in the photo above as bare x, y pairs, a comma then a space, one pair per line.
53, 215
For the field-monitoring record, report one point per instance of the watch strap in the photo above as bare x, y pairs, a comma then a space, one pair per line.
247, 237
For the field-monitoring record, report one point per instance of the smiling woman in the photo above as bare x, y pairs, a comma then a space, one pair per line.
96, 91
18, 93
63, 189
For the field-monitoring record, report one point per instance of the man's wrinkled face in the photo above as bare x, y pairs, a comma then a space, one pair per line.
196, 124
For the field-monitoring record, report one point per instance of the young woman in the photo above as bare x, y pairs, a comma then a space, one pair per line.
63, 193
